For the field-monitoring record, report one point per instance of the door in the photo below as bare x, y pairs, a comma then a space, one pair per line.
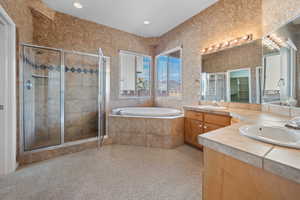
41, 98
81, 96
239, 85
7, 94
3, 74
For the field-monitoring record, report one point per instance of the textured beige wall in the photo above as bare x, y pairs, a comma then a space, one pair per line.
20, 13
221, 22
276, 13
244, 56
72, 33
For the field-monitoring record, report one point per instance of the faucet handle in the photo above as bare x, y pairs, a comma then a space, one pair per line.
294, 123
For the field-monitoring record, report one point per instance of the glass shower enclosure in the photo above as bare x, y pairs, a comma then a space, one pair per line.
63, 97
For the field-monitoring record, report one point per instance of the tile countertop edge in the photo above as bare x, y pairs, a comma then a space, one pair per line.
274, 166
281, 169
238, 154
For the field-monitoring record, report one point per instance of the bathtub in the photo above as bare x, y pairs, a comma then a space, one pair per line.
147, 126
147, 112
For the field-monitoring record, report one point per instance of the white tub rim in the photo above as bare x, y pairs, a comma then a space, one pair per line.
173, 113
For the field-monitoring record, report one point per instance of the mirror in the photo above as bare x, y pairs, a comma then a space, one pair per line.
233, 74
280, 65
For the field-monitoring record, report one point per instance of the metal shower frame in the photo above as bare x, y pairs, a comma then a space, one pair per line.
103, 98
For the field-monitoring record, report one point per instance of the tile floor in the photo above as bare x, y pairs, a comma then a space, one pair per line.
115, 172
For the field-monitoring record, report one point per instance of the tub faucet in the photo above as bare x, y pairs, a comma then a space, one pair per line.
293, 123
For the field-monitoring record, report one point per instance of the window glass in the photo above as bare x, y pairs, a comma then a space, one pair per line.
169, 80
135, 75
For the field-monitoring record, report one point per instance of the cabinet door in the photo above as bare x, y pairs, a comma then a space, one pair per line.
193, 128
210, 127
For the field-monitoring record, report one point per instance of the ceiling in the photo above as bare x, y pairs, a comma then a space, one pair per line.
129, 15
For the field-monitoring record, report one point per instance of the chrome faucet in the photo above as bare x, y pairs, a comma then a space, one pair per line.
293, 123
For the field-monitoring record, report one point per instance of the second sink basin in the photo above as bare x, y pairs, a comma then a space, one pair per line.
275, 135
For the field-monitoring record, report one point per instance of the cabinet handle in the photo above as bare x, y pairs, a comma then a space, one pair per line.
205, 127
200, 126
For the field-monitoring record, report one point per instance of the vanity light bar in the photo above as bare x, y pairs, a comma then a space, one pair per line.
276, 41
228, 44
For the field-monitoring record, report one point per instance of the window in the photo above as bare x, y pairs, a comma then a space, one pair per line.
168, 68
135, 74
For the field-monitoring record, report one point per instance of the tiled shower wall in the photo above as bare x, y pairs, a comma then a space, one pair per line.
81, 93
41, 100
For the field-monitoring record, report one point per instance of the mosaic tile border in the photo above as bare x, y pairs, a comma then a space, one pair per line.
57, 68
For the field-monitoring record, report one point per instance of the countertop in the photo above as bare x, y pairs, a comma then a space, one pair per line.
281, 161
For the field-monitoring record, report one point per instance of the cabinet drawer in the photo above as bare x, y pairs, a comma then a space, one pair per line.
193, 128
194, 115
207, 127
217, 119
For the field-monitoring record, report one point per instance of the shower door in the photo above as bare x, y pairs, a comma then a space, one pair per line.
81, 96
41, 98
64, 94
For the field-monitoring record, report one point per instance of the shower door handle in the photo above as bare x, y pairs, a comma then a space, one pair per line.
28, 85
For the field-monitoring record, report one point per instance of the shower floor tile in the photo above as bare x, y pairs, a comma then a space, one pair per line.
114, 172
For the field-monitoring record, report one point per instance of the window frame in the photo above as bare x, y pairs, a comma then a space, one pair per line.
120, 71
179, 48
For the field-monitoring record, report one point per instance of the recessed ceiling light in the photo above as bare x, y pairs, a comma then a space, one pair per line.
77, 5
147, 22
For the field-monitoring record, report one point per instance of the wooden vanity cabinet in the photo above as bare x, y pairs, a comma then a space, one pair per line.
192, 129
197, 123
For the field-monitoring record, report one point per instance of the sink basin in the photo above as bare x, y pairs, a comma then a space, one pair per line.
210, 107
274, 135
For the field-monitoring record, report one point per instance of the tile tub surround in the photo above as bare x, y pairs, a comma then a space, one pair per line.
284, 162
167, 132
